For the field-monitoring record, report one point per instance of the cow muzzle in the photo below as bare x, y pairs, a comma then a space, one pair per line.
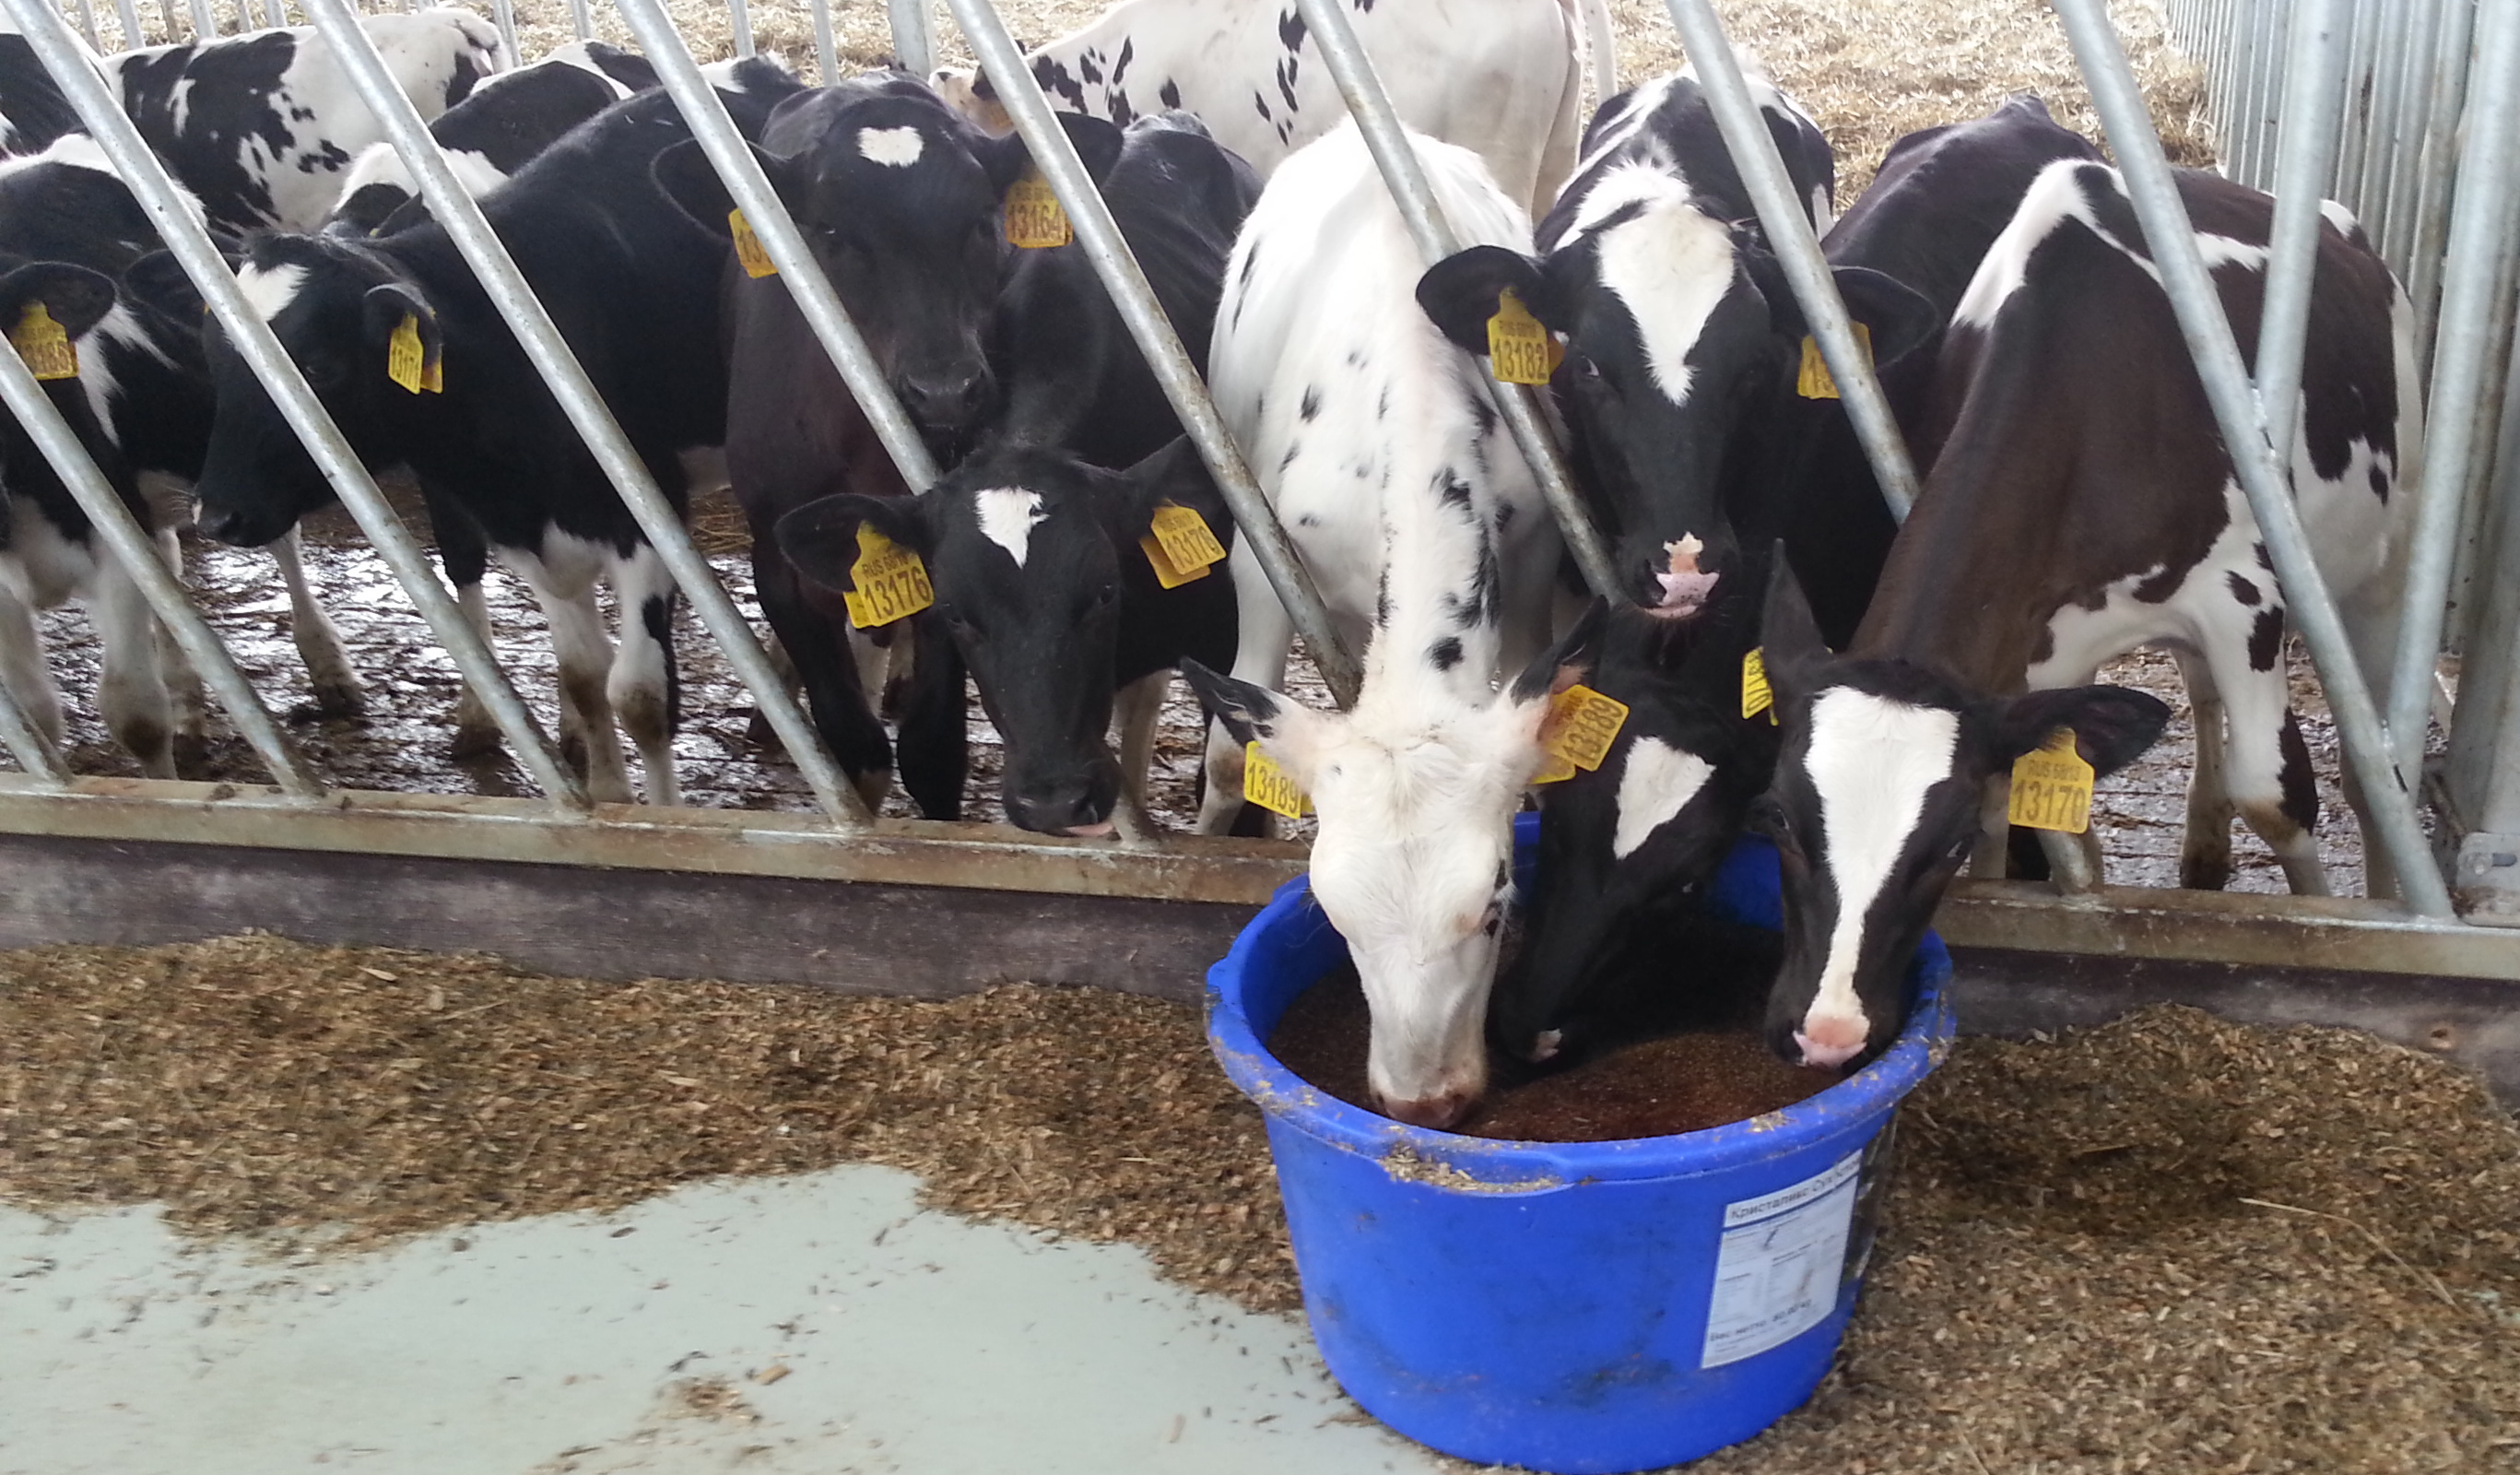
240, 527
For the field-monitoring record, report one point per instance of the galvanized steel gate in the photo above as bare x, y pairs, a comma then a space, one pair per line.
2405, 108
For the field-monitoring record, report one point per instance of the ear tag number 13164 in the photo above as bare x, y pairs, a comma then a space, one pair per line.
1035, 219
2051, 787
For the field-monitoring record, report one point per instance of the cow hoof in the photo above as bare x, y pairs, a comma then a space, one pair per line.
190, 752
758, 732
474, 741
339, 701
2205, 875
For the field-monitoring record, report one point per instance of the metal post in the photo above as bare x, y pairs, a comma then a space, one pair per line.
826, 54
1789, 235
129, 13
131, 547
170, 210
205, 25
26, 743
87, 24
2405, 159
914, 38
2449, 101
728, 153
2311, 106
1135, 299
581, 21
2191, 289
740, 20
504, 13
2462, 402
461, 215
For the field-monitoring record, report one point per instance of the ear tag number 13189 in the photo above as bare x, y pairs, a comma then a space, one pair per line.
1268, 786
1181, 548
2051, 787
892, 582
1578, 732
1519, 349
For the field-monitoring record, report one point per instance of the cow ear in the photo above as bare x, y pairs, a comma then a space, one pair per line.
72, 295
387, 306
2112, 724
821, 538
1460, 293
1898, 315
1569, 661
1176, 474
1789, 640
158, 281
683, 174
1098, 144
1291, 733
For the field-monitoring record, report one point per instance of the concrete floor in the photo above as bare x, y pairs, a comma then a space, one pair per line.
652, 1340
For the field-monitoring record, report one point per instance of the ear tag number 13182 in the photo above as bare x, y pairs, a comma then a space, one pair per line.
1520, 350
2051, 787
892, 582
1181, 548
1578, 732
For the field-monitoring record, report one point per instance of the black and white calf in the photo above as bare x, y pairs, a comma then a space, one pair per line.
32, 110
2082, 505
1624, 847
260, 126
900, 197
1380, 446
1034, 548
1506, 82
632, 285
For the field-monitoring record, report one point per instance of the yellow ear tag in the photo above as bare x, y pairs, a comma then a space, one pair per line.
892, 582
1266, 784
1555, 770
407, 363
1580, 727
747, 247
44, 344
1519, 349
1181, 548
2051, 787
1035, 219
1815, 383
1756, 695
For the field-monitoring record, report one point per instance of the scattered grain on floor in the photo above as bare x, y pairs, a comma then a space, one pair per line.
2171, 1244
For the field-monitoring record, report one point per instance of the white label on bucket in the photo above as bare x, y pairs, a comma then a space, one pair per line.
1776, 1276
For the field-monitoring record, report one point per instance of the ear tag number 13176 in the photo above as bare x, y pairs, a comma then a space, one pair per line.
892, 582
2051, 787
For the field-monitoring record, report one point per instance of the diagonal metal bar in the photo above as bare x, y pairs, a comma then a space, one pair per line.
2463, 400
171, 211
2154, 193
461, 215
2314, 105
728, 153
26, 743
1371, 105
131, 547
2448, 99
1135, 299
1789, 234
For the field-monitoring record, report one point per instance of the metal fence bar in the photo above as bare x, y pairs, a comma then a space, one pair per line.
2370, 199
827, 52
2448, 97
2313, 101
134, 550
1135, 299
580, 20
504, 13
1384, 138
2406, 174
129, 15
205, 25
741, 19
914, 36
169, 210
505, 285
26, 743
731, 157
1789, 235
87, 24
2465, 397
2190, 290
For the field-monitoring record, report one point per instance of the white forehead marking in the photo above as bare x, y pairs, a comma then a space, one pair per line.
270, 288
1655, 784
1668, 267
898, 148
1006, 517
1871, 761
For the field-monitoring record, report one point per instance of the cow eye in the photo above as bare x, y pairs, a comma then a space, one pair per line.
1103, 599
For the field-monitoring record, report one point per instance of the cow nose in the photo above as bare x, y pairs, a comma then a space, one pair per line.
1828, 1041
231, 526
1436, 1112
946, 401
1069, 809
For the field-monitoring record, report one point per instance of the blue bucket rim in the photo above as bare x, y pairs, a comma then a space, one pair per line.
1849, 1106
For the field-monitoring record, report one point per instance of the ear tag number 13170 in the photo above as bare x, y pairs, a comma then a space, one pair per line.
2051, 787
1181, 548
892, 582
1578, 732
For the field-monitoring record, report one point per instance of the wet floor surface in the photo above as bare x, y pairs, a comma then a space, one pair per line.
403, 742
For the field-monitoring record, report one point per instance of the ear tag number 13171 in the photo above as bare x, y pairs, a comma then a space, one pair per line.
2051, 787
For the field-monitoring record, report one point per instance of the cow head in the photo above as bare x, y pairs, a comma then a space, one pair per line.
900, 199
335, 306
1679, 330
78, 300
1416, 791
1875, 805
1035, 560
1624, 848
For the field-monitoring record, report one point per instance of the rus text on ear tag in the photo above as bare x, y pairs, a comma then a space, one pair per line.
1035, 219
1814, 381
1579, 730
44, 344
1266, 784
1756, 695
407, 362
1181, 548
747, 247
1519, 349
2051, 787
892, 582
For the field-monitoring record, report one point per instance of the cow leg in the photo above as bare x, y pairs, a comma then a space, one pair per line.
131, 693
934, 751
2267, 769
643, 687
1135, 710
827, 672
337, 692
1261, 645
874, 664
465, 554
1994, 831
188, 706
758, 731
22, 668
2205, 856
584, 655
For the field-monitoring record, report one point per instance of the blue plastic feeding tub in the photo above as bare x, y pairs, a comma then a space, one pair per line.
1572, 1307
